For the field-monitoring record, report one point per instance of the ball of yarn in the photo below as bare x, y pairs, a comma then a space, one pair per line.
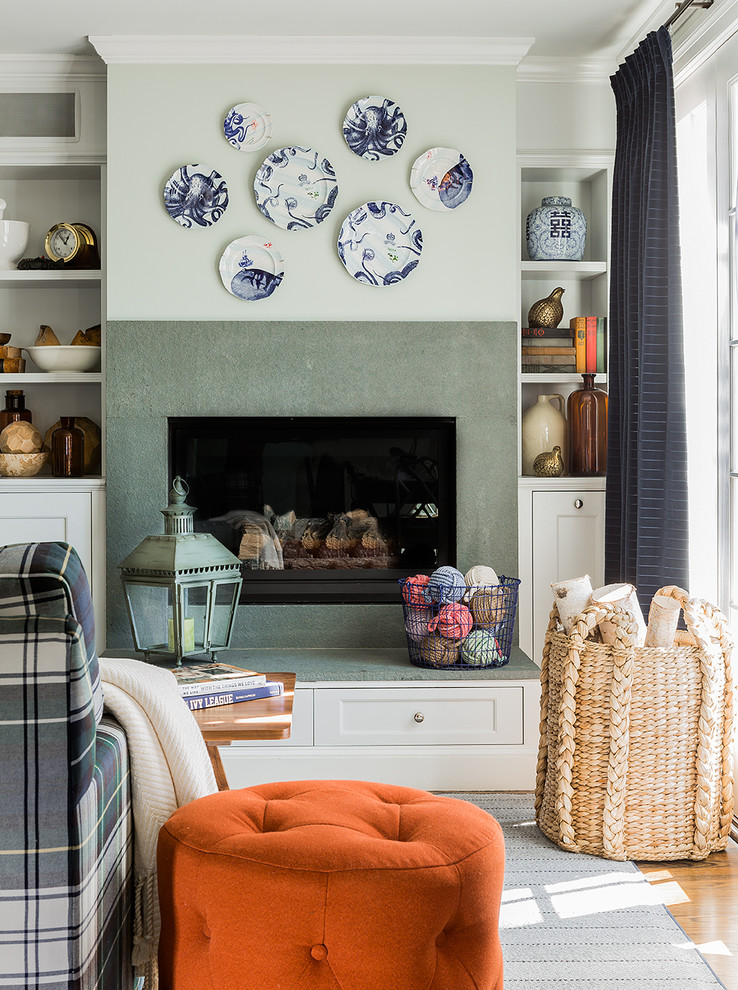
453, 621
481, 649
489, 606
415, 590
478, 575
446, 585
417, 618
435, 651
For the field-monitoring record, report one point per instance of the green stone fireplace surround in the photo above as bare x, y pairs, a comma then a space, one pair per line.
155, 370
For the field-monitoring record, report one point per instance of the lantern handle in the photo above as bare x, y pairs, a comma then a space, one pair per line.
180, 491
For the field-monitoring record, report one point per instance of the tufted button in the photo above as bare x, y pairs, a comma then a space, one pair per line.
319, 951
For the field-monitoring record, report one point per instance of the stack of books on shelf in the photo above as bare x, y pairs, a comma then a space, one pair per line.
206, 685
590, 342
547, 349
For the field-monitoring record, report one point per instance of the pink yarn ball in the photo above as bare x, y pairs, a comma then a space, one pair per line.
415, 590
453, 621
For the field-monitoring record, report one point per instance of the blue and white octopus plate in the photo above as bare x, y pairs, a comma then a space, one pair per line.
380, 243
441, 179
374, 128
196, 196
295, 188
247, 126
251, 268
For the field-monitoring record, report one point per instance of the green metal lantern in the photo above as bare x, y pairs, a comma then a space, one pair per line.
181, 588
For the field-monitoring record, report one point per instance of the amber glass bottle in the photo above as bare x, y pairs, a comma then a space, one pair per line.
587, 416
15, 408
67, 448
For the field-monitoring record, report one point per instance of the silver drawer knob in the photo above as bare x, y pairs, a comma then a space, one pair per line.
418, 716
578, 503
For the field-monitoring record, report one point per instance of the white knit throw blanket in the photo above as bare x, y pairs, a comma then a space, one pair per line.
170, 767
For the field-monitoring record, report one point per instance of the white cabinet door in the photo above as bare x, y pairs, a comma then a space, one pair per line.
568, 541
36, 517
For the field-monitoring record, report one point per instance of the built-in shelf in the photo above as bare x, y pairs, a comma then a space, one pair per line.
563, 270
564, 483
52, 378
53, 276
551, 378
46, 482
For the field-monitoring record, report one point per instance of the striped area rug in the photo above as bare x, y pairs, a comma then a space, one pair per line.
575, 922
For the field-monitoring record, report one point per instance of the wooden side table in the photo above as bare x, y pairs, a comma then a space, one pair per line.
262, 718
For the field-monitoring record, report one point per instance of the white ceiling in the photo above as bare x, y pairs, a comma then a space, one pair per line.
561, 28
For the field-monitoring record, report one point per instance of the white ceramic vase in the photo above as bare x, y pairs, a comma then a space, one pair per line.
543, 427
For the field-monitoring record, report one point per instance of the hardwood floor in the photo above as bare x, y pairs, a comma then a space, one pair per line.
703, 897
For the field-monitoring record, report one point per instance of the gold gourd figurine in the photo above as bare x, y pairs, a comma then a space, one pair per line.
549, 464
547, 312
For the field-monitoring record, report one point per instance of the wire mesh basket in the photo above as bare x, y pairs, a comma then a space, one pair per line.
474, 631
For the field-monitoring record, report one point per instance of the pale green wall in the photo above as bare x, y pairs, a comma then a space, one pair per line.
164, 116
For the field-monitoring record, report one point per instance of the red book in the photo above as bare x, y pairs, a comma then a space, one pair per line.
590, 337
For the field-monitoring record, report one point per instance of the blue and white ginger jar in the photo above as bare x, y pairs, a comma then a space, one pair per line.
556, 231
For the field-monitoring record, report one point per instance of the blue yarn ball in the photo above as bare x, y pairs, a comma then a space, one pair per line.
446, 585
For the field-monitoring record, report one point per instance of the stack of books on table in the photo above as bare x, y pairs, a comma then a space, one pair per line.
547, 350
590, 342
206, 685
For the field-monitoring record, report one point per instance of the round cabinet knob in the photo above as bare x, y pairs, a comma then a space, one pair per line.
418, 716
578, 503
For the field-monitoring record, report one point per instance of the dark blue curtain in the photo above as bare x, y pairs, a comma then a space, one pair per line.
646, 528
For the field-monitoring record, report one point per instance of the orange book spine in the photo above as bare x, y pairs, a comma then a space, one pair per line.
590, 335
579, 326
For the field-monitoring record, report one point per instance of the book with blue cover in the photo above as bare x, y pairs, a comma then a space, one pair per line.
270, 689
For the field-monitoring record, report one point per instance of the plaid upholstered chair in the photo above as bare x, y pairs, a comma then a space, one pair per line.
66, 881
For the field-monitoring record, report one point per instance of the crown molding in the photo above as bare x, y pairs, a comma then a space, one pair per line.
536, 69
27, 69
579, 158
378, 50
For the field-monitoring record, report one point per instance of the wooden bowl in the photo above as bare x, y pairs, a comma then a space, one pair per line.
22, 465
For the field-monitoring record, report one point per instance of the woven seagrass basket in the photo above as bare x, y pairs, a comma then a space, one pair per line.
635, 759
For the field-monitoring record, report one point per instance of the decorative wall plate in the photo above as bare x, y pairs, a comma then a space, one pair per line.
374, 128
247, 126
251, 268
196, 195
441, 179
295, 188
379, 243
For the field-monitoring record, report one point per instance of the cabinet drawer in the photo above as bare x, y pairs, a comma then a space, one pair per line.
418, 716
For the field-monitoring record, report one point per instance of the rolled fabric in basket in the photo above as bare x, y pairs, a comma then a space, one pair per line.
663, 619
625, 596
571, 598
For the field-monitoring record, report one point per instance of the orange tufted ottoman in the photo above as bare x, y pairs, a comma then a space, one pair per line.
321, 885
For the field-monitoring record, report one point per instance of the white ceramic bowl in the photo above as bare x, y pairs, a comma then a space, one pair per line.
13, 242
80, 357
22, 465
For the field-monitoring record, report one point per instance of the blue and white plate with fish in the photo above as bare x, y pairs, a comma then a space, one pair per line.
374, 128
196, 196
295, 188
247, 126
380, 243
251, 268
441, 179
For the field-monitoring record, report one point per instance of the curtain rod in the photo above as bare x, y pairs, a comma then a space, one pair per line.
682, 8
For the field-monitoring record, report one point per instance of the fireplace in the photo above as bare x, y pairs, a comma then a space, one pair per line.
322, 509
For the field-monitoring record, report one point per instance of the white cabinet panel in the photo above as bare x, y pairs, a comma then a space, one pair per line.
418, 716
34, 517
568, 541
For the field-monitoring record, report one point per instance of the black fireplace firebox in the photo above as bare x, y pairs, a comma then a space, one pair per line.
322, 509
